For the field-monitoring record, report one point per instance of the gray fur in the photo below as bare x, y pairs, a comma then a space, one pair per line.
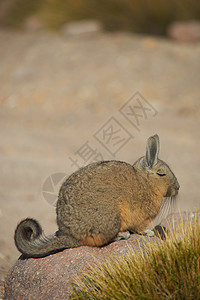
152, 151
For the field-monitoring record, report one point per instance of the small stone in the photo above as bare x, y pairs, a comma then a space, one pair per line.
185, 31
11, 102
82, 28
33, 24
149, 43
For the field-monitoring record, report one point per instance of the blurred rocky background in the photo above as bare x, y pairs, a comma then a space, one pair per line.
150, 17
87, 80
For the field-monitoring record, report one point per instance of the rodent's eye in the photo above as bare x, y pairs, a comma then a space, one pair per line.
161, 172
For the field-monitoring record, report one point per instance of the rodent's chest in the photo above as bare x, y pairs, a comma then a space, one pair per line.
137, 215
129, 216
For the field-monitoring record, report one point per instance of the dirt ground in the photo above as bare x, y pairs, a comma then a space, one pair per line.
67, 101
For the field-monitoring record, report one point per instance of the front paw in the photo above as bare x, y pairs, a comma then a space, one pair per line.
147, 232
122, 235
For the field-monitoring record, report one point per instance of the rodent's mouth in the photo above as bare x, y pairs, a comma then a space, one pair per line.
172, 192
176, 193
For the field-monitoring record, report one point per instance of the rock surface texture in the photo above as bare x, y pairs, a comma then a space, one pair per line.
50, 277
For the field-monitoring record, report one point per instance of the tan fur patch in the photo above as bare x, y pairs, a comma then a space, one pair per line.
131, 218
93, 240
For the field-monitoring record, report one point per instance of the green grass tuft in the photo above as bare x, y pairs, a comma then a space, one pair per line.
169, 269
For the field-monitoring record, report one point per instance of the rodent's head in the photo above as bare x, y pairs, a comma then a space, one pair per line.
157, 171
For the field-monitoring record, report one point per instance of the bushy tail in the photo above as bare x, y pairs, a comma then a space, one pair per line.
30, 240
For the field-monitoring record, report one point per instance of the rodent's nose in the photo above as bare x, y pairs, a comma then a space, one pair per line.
177, 186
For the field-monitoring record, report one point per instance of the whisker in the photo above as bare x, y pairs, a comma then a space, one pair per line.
167, 207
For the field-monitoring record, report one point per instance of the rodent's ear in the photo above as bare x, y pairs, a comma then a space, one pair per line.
152, 151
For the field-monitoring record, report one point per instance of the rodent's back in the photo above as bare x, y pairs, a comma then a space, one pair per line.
99, 182
103, 193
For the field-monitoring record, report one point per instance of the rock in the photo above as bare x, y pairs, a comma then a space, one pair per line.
11, 101
185, 31
33, 24
5, 265
50, 277
82, 28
